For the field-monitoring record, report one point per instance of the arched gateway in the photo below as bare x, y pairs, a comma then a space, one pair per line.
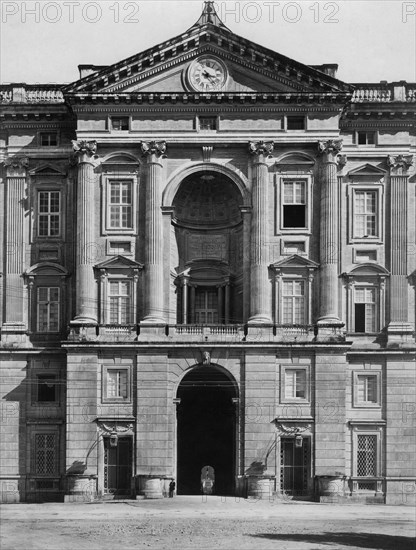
206, 429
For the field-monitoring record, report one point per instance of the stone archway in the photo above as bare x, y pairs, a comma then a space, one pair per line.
206, 430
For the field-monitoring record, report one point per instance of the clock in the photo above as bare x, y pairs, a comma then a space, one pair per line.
207, 74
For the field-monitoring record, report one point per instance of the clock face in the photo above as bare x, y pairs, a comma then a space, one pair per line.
207, 74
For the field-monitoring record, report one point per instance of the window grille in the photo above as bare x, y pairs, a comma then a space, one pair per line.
366, 455
45, 445
120, 204
49, 213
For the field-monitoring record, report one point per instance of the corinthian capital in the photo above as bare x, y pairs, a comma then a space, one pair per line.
261, 148
16, 165
84, 147
153, 148
330, 147
400, 163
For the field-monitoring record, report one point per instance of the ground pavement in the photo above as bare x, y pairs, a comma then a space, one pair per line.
206, 523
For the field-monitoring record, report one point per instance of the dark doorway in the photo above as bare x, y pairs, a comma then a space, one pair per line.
118, 467
294, 466
206, 433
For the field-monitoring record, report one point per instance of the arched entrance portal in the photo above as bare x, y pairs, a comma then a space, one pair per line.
206, 430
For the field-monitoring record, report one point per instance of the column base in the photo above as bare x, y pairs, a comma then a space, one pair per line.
259, 319
79, 331
81, 488
329, 329
152, 331
401, 335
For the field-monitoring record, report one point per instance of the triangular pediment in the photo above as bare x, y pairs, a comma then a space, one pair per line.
294, 261
47, 170
367, 170
249, 67
119, 262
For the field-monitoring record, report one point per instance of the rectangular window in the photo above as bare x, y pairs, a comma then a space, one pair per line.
121, 205
365, 214
119, 302
48, 139
120, 123
48, 301
117, 381
46, 388
119, 247
295, 123
46, 453
295, 384
207, 123
367, 388
293, 298
365, 309
366, 138
294, 204
366, 455
362, 256
49, 213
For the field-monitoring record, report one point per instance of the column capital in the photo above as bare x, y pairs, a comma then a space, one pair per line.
84, 149
399, 164
150, 148
330, 149
261, 149
16, 166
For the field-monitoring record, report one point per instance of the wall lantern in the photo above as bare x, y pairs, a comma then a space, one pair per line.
298, 441
113, 439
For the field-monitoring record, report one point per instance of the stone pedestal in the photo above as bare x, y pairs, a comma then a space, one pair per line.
260, 288
81, 488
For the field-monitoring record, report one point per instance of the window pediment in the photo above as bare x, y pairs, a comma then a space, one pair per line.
118, 262
47, 170
47, 269
294, 261
367, 172
367, 270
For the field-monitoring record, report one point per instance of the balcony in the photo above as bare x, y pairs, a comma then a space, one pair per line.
215, 334
31, 93
384, 92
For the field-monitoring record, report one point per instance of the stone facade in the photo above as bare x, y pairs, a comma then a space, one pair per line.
209, 259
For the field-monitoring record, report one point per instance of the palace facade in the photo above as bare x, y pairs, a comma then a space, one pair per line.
208, 259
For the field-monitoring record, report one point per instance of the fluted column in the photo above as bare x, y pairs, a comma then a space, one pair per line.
154, 310
86, 291
399, 316
15, 244
328, 151
260, 304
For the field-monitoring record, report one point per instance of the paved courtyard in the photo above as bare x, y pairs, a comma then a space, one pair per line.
214, 523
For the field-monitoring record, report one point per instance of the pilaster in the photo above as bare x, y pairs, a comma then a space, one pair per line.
399, 330
154, 304
14, 326
86, 292
328, 151
260, 302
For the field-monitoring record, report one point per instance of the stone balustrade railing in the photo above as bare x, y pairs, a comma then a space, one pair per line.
31, 93
384, 92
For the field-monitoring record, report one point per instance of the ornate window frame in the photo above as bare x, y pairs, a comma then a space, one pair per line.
294, 267
371, 428
368, 275
293, 177
121, 167
46, 274
118, 268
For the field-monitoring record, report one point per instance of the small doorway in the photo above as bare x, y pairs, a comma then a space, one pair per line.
206, 431
294, 471
118, 467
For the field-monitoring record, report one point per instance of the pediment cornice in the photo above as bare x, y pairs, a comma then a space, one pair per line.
212, 37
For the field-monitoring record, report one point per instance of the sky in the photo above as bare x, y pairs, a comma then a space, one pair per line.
45, 41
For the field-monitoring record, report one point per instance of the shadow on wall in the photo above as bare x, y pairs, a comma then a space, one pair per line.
376, 541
